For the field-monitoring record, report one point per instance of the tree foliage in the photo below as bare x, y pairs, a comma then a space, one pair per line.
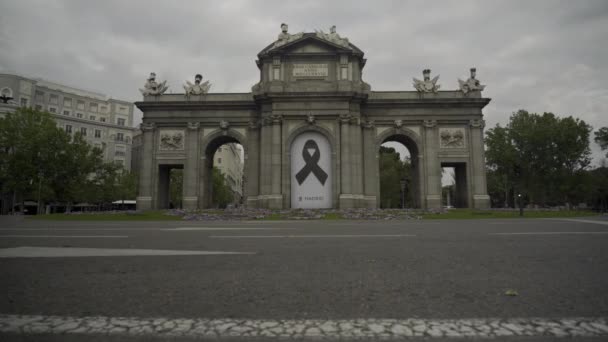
392, 171
601, 138
38, 159
540, 156
222, 194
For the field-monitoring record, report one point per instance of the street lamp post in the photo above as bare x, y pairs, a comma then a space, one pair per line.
521, 205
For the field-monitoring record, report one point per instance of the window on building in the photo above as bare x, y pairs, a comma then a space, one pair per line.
93, 107
39, 96
121, 122
79, 115
38, 107
120, 162
97, 133
54, 99
103, 109
67, 102
83, 131
120, 136
68, 129
119, 153
102, 119
219, 160
23, 102
52, 109
80, 105
92, 117
66, 112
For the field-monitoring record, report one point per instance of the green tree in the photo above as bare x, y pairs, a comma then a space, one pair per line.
539, 155
392, 171
601, 138
176, 183
222, 194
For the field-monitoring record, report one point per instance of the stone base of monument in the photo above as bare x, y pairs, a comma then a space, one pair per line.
481, 201
144, 203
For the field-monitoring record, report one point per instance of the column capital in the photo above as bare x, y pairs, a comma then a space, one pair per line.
368, 124
194, 125
477, 123
429, 123
344, 118
147, 126
276, 119
254, 124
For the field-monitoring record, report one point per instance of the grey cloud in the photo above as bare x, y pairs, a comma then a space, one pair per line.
537, 55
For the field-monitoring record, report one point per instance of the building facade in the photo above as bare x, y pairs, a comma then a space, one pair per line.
104, 122
227, 159
311, 130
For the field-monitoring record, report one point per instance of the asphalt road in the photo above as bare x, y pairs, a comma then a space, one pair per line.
321, 270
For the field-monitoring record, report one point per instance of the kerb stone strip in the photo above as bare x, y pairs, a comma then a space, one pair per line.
318, 329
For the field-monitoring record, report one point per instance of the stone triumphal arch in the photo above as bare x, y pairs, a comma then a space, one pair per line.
311, 131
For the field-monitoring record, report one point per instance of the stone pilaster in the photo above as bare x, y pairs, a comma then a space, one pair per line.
432, 167
146, 186
478, 178
346, 193
191, 167
357, 160
252, 165
276, 199
370, 165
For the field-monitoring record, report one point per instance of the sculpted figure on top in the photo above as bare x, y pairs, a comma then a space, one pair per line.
285, 37
197, 88
333, 37
427, 85
153, 88
472, 84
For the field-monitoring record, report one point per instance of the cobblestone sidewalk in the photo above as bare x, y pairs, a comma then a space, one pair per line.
298, 329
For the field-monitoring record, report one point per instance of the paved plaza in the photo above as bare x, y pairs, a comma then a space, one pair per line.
511, 280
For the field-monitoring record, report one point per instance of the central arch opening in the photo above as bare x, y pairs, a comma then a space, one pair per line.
398, 173
223, 174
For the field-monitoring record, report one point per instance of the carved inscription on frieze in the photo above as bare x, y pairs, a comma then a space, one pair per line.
171, 140
451, 138
302, 70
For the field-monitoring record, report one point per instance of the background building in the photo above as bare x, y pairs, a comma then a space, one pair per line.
227, 159
104, 122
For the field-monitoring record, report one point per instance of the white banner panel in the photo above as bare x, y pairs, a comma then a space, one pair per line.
311, 176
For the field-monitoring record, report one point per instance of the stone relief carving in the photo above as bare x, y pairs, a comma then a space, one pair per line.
171, 140
451, 137
427, 85
333, 37
477, 123
152, 87
197, 88
285, 37
429, 123
310, 118
147, 126
194, 125
224, 124
472, 84
398, 123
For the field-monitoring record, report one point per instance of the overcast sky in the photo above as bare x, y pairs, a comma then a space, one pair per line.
536, 55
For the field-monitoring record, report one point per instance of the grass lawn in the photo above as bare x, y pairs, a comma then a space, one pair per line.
482, 214
143, 216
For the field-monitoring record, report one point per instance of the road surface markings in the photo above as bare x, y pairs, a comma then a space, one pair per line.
551, 233
64, 252
306, 236
370, 329
67, 236
584, 221
222, 228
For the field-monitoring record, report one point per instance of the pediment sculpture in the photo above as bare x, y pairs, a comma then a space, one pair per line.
197, 88
152, 87
285, 37
472, 84
333, 37
427, 85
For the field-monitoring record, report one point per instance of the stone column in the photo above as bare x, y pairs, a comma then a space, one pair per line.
370, 165
433, 167
146, 186
346, 193
478, 170
276, 199
356, 161
251, 172
191, 167
265, 165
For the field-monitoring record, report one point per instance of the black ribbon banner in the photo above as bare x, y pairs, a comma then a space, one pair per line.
312, 164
